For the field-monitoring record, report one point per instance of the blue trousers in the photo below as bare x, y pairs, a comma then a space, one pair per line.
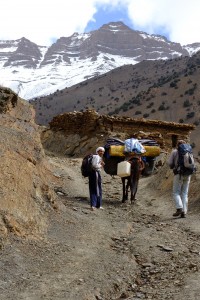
95, 189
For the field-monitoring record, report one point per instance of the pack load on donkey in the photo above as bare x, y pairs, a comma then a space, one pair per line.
131, 146
112, 159
116, 151
130, 159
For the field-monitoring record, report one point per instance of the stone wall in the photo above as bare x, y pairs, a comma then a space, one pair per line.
77, 133
76, 122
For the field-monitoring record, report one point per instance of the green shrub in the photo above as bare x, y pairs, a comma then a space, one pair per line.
137, 112
146, 115
190, 115
186, 103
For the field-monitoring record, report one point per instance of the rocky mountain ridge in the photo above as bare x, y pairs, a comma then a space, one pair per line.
32, 70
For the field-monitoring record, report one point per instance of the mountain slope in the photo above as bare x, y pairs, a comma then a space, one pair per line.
114, 92
164, 90
32, 70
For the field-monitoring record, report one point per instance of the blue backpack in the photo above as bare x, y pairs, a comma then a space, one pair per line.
186, 165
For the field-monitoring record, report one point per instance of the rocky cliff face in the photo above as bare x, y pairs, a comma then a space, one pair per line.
26, 54
25, 180
113, 39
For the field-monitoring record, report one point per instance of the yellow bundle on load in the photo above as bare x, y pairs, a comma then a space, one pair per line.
152, 151
118, 150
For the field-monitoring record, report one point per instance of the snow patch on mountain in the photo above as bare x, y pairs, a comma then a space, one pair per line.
33, 71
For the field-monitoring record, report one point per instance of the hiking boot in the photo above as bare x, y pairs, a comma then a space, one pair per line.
178, 212
183, 215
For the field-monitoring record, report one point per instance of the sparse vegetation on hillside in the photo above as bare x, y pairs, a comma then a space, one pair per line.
166, 90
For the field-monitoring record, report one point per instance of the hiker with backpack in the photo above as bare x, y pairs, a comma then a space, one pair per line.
181, 161
95, 187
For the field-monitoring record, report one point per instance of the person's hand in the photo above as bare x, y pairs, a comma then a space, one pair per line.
102, 163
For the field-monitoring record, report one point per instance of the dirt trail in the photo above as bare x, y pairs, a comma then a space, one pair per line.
122, 252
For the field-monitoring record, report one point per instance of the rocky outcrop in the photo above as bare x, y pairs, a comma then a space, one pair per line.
8, 100
25, 181
27, 54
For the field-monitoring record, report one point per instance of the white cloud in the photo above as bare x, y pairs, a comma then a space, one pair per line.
41, 21
179, 18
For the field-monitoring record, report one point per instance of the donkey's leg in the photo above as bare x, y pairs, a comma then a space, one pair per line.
134, 187
123, 190
127, 186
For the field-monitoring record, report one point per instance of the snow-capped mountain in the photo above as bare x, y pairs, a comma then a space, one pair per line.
33, 71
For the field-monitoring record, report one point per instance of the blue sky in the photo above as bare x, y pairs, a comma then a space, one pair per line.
106, 15
44, 21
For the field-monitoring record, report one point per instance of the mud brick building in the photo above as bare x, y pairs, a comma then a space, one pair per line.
79, 132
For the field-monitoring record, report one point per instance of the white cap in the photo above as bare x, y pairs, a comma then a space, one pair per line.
100, 148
